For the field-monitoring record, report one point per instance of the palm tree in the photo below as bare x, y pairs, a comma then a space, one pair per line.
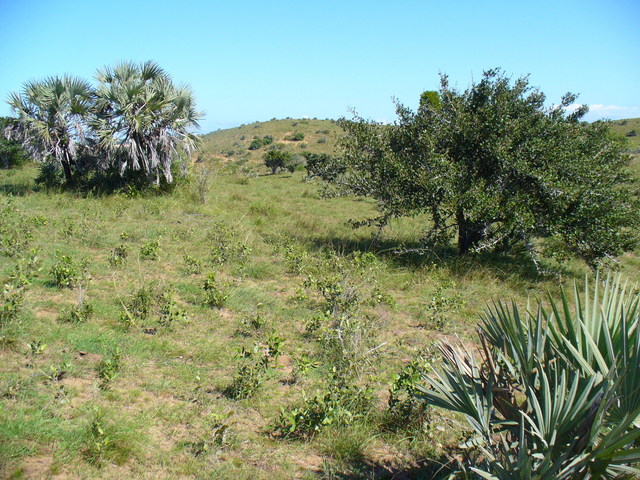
143, 120
51, 118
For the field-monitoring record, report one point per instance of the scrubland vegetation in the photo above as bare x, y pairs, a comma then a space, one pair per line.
237, 326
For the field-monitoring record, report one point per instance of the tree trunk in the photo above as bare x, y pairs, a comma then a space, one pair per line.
66, 166
469, 233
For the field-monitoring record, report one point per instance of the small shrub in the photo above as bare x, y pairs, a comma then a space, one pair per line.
15, 229
405, 410
26, 269
171, 313
254, 367
256, 144
80, 313
322, 139
296, 162
214, 296
441, 306
108, 439
150, 250
69, 228
340, 404
11, 303
302, 365
108, 368
216, 436
69, 273
295, 137
55, 373
36, 347
138, 308
224, 247
254, 323
193, 265
150, 309
118, 256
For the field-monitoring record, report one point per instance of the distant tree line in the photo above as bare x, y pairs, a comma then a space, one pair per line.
135, 121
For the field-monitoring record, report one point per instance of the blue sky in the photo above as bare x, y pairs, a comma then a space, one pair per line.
251, 60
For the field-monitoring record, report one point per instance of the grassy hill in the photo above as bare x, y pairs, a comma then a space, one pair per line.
233, 145
626, 128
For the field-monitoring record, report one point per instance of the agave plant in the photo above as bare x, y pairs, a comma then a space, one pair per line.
143, 119
556, 393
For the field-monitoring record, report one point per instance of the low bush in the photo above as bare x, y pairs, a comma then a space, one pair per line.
213, 295
11, 304
342, 403
108, 368
15, 229
295, 137
150, 250
255, 365
118, 256
80, 313
69, 273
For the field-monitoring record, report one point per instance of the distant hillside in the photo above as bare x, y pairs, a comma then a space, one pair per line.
629, 128
247, 143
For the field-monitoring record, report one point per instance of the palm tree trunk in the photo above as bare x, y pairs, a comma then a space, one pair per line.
66, 167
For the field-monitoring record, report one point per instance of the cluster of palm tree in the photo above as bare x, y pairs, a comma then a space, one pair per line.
135, 119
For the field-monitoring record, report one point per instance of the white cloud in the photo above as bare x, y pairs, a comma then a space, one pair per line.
598, 111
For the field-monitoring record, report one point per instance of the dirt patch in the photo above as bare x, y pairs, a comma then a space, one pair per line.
82, 390
310, 462
225, 314
37, 468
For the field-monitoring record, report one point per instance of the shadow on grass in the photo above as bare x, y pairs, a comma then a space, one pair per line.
439, 469
17, 190
505, 266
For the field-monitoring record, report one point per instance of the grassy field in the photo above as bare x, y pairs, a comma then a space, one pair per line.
237, 328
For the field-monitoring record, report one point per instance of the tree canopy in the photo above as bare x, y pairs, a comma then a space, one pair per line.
495, 167
276, 159
142, 119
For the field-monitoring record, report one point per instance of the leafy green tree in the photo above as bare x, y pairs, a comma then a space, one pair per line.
276, 159
322, 165
52, 118
11, 152
496, 168
143, 120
